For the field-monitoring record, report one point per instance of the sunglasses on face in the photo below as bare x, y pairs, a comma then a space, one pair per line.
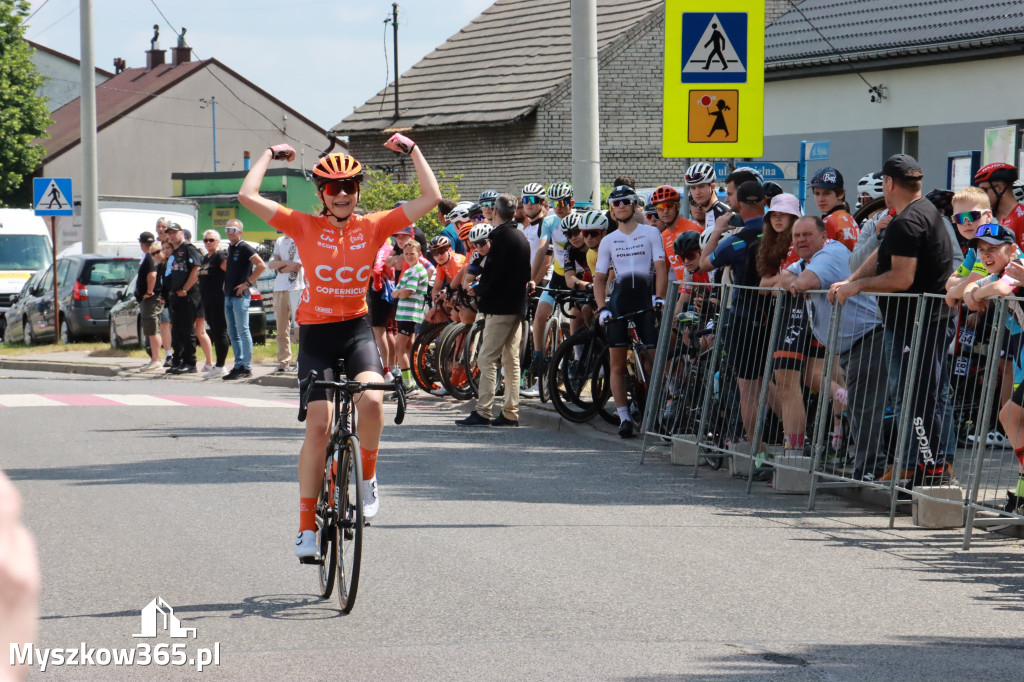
572, 232
563, 203
486, 204
665, 205
478, 219
619, 203
439, 252
532, 200
481, 242
333, 188
208, 240
590, 234
967, 217
229, 230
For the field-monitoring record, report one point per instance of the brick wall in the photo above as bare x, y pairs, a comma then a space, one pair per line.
538, 149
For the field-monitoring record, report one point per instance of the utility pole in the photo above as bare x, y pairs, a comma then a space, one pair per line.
213, 111
90, 189
394, 28
586, 147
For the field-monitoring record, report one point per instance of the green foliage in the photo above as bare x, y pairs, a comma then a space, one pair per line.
605, 191
23, 114
380, 191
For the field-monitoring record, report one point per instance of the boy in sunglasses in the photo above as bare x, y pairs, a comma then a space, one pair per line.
971, 211
337, 249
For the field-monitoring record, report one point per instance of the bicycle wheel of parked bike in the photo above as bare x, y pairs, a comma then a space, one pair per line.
423, 357
350, 522
578, 377
469, 355
554, 335
636, 385
449, 355
326, 534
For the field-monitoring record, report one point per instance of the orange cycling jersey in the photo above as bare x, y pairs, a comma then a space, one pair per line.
338, 263
1015, 221
668, 238
450, 270
840, 226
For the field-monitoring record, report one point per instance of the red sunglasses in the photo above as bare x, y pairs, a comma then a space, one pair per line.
333, 188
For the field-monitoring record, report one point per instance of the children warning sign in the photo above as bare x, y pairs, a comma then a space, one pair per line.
713, 103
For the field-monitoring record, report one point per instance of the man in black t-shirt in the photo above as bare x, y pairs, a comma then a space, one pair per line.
183, 295
244, 267
913, 257
150, 303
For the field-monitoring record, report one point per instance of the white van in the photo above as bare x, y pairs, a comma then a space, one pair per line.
25, 248
122, 220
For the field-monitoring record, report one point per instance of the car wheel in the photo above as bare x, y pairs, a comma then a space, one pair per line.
26, 328
115, 342
65, 332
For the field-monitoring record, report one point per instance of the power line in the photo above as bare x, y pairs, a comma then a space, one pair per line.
37, 9
68, 14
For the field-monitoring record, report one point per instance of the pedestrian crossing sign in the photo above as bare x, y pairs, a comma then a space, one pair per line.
714, 61
52, 196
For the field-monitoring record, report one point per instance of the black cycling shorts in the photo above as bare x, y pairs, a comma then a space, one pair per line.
407, 328
322, 345
626, 300
747, 347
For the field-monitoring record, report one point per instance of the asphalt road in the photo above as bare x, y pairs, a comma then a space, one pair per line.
498, 554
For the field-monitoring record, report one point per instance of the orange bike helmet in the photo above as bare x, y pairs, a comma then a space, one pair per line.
665, 193
463, 230
338, 167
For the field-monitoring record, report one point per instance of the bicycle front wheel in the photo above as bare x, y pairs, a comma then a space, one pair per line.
350, 522
326, 535
577, 378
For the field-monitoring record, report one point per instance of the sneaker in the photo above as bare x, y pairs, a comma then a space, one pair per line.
169, 362
440, 391
244, 373
187, 369
215, 372
887, 476
233, 374
933, 475
389, 377
371, 498
151, 366
531, 392
280, 370
474, 419
207, 367
305, 544
502, 420
173, 369
1014, 504
626, 429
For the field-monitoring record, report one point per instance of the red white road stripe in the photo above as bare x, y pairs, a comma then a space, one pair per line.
135, 400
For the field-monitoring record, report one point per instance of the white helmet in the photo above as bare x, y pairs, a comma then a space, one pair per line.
459, 214
705, 236
559, 190
535, 189
700, 173
1018, 191
480, 231
594, 220
870, 184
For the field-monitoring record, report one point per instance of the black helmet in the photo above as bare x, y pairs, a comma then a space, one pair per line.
475, 210
488, 195
686, 242
624, 192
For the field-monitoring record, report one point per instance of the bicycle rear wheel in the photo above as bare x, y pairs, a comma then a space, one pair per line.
350, 522
452, 371
469, 356
326, 534
578, 377
424, 358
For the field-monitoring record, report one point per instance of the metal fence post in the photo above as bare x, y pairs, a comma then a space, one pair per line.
654, 397
762, 401
716, 356
823, 412
903, 427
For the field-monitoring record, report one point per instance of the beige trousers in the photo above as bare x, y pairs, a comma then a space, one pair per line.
500, 343
285, 303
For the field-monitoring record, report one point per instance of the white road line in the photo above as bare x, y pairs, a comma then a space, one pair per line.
139, 400
254, 402
28, 400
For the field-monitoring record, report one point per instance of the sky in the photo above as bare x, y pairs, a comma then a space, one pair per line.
321, 57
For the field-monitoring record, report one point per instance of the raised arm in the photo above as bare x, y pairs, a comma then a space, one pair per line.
430, 193
249, 194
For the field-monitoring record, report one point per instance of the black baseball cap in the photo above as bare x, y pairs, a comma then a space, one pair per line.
993, 234
750, 192
902, 166
146, 238
174, 227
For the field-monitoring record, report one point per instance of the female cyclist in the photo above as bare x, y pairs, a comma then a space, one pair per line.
337, 249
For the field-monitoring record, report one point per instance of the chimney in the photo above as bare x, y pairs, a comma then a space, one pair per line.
182, 53
154, 55
119, 65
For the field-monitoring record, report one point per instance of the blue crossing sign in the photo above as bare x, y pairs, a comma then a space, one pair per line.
52, 196
714, 47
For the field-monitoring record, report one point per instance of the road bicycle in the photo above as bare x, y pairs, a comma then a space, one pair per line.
556, 330
339, 507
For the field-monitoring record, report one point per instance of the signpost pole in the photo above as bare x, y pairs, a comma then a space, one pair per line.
801, 181
56, 299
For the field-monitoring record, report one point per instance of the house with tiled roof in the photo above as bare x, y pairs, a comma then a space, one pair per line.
159, 119
493, 102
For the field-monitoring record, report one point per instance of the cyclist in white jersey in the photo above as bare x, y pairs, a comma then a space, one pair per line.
700, 178
637, 255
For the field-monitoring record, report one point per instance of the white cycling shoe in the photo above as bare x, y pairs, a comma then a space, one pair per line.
305, 544
371, 498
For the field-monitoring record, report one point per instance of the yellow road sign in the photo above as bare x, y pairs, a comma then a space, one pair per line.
713, 102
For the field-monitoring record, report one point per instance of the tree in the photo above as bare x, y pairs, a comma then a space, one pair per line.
380, 192
23, 114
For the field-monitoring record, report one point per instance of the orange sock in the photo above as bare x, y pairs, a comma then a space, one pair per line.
307, 513
369, 463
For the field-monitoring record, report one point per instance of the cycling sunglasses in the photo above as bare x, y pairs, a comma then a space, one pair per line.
967, 217
532, 200
588, 234
563, 203
665, 205
333, 188
481, 242
572, 231
441, 251
992, 230
486, 204
619, 203
479, 218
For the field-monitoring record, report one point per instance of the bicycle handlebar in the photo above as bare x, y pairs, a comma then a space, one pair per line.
351, 387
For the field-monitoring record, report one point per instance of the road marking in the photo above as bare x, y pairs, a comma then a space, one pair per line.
134, 400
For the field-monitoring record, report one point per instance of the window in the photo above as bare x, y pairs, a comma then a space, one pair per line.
909, 145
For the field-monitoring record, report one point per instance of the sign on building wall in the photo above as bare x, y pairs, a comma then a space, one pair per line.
220, 216
713, 104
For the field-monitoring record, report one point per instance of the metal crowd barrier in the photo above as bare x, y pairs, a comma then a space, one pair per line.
868, 404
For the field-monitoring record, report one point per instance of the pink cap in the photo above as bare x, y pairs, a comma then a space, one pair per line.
785, 203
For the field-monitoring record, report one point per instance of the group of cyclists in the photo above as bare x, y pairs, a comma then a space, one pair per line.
626, 257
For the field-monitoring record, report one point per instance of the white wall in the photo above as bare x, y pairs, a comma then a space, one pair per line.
173, 133
966, 92
64, 79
